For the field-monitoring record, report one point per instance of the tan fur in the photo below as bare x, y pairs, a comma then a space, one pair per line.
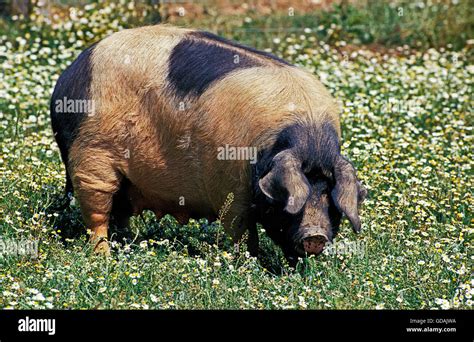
137, 130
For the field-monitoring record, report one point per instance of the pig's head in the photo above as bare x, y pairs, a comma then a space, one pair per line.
301, 198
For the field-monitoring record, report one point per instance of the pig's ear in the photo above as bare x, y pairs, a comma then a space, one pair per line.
286, 183
348, 192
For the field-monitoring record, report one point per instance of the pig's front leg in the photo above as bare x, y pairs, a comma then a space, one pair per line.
253, 241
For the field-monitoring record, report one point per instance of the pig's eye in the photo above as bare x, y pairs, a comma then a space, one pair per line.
312, 175
322, 187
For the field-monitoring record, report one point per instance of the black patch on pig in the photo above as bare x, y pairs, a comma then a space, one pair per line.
316, 146
211, 36
196, 62
73, 84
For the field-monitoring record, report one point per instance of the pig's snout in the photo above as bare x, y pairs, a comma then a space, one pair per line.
313, 241
314, 244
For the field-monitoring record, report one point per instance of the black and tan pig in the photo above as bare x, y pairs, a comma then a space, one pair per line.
173, 120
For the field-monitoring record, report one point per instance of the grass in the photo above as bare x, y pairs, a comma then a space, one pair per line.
407, 125
419, 24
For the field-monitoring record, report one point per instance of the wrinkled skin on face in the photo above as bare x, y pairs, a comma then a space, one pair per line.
318, 222
301, 211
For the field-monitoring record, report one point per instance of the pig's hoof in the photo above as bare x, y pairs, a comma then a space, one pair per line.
102, 248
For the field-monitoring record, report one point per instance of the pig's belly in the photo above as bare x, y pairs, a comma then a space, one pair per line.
144, 199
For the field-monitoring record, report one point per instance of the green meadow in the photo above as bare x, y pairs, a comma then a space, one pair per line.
405, 86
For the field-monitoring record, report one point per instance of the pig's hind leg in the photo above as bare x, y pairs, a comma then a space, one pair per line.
96, 182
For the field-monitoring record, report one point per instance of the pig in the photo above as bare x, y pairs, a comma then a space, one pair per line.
164, 102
